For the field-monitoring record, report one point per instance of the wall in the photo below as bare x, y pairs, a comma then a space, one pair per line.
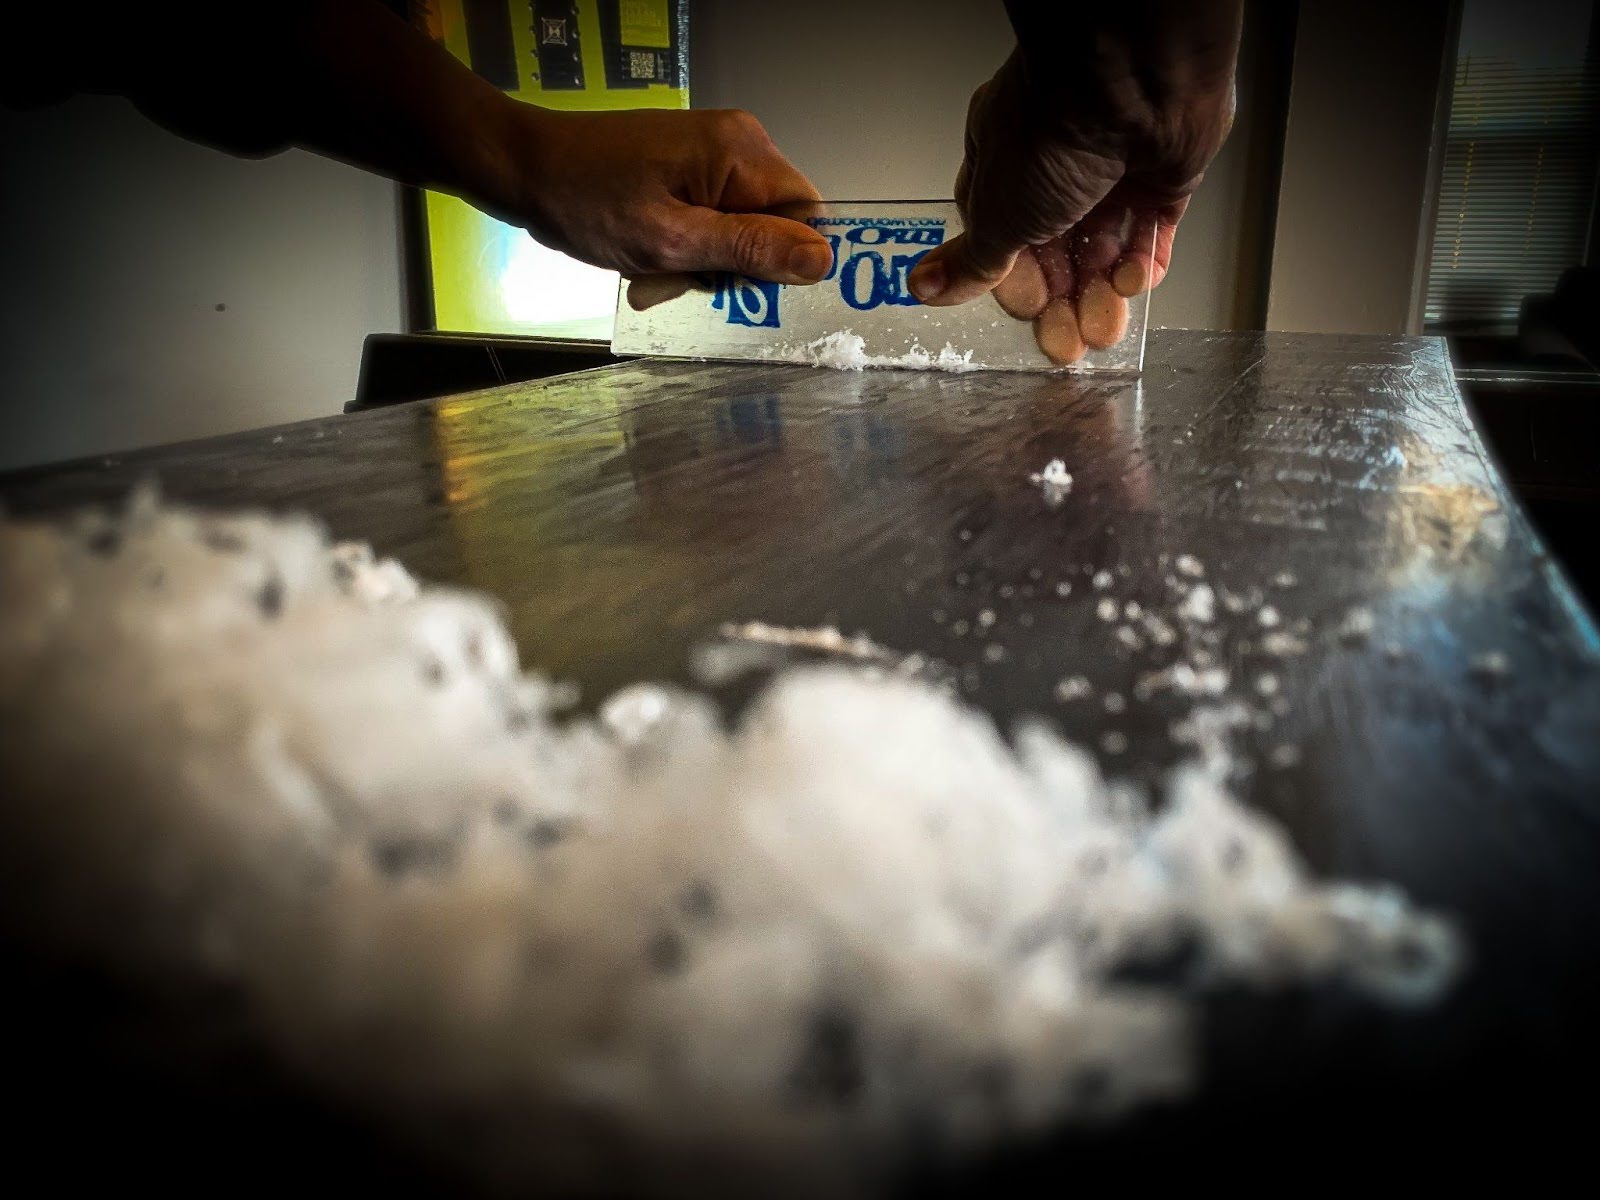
156, 290
1357, 165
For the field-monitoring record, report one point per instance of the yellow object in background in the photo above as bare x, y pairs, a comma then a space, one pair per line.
572, 55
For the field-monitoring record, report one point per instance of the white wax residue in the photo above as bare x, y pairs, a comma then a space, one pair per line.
644, 949
1055, 474
847, 351
1055, 481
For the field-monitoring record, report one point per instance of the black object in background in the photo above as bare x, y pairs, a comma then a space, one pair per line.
397, 367
490, 49
555, 33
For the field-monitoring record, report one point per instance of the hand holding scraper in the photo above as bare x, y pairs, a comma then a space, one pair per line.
1081, 155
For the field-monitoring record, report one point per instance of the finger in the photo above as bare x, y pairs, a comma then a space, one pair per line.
647, 291
753, 244
1023, 293
1101, 238
1056, 331
960, 270
1056, 264
1102, 314
1149, 252
963, 185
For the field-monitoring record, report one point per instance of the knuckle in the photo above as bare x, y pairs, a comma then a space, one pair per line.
667, 245
753, 246
737, 124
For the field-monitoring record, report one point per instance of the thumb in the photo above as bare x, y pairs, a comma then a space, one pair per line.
753, 244
960, 270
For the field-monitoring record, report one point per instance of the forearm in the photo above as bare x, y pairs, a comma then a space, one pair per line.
370, 90
346, 78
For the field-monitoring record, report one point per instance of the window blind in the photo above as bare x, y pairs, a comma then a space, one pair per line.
1517, 193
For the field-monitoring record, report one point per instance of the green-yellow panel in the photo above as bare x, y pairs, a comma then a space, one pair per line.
488, 277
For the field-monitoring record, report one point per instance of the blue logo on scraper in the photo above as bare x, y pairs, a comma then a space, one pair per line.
878, 255
748, 301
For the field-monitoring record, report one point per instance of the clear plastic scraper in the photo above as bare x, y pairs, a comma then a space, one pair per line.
862, 314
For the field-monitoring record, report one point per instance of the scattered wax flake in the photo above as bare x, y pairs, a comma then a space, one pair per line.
1132, 610
1491, 664
1282, 644
1207, 728
1158, 630
1054, 475
1199, 604
960, 627
1185, 680
1106, 610
1007, 591
1284, 580
1103, 579
1394, 652
1114, 741
1285, 756
1074, 687
1267, 684
1233, 601
1129, 637
1189, 565
823, 640
986, 617
1357, 625
1063, 589
1114, 702
632, 714
1269, 617
994, 653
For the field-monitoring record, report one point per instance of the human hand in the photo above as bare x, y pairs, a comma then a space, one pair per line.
651, 192
1072, 188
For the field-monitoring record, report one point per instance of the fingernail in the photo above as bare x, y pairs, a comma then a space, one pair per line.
1130, 278
928, 280
810, 261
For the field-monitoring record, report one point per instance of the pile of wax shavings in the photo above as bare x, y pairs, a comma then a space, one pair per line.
634, 947
846, 351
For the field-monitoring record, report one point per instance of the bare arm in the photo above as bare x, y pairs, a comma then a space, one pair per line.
639, 192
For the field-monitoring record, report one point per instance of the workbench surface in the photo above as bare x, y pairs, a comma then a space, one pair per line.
623, 514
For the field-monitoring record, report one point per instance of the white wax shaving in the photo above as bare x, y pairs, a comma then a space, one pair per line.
639, 950
1055, 481
1199, 605
847, 351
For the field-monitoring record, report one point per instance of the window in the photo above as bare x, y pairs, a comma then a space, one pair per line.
1522, 153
